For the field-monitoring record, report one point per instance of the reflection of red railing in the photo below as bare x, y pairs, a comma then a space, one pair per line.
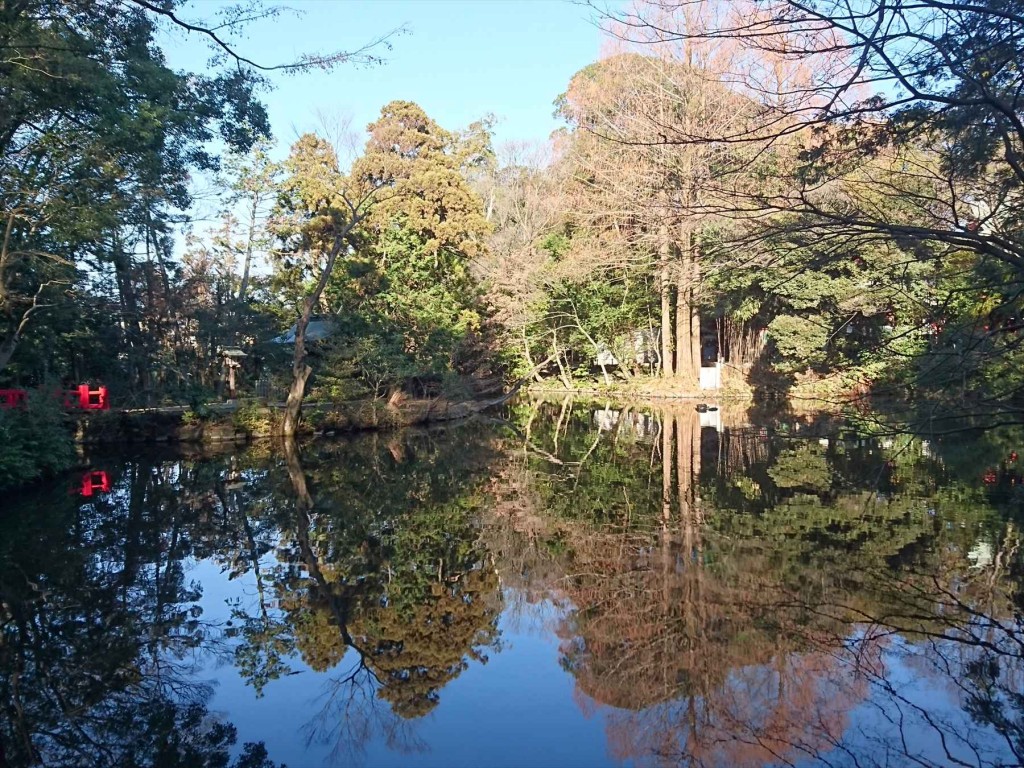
1007, 472
12, 398
96, 481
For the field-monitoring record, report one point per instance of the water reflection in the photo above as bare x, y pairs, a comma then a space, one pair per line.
722, 589
100, 628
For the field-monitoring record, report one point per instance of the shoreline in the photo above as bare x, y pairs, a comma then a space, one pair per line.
246, 421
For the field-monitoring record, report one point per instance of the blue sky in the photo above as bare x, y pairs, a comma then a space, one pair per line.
460, 60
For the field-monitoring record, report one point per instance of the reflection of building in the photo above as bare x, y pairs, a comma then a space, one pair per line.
634, 423
980, 555
711, 419
644, 426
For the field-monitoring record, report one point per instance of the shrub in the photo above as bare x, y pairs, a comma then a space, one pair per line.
253, 418
35, 442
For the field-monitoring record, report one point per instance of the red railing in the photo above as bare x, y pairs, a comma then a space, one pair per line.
86, 399
82, 398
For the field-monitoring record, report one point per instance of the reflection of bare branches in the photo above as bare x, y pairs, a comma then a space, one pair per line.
923, 636
705, 647
353, 714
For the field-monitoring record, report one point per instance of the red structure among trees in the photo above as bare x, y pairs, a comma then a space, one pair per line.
83, 398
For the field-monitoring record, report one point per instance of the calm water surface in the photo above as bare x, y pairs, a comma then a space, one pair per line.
575, 586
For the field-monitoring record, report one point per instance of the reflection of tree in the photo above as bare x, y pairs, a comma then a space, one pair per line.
416, 653
804, 466
957, 627
776, 712
746, 637
403, 586
98, 628
662, 629
387, 573
722, 598
266, 641
701, 658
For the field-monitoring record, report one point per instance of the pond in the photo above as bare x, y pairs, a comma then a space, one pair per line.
568, 585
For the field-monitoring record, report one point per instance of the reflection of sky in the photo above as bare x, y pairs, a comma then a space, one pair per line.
917, 711
519, 709
522, 708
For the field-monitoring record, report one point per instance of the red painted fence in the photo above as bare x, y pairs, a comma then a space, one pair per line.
86, 399
82, 398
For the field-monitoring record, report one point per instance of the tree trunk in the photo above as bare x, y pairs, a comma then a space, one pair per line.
667, 564
684, 478
695, 335
244, 285
594, 344
10, 344
563, 374
667, 360
303, 499
132, 324
529, 359
688, 339
301, 371
683, 315
245, 278
7, 350
696, 443
688, 435
293, 405
666, 470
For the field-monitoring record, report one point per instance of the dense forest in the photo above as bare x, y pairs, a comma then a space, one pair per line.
809, 199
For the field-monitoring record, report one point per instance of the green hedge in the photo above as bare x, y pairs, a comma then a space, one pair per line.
34, 441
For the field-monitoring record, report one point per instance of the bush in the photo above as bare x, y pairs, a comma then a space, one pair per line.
456, 387
34, 441
335, 389
253, 418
